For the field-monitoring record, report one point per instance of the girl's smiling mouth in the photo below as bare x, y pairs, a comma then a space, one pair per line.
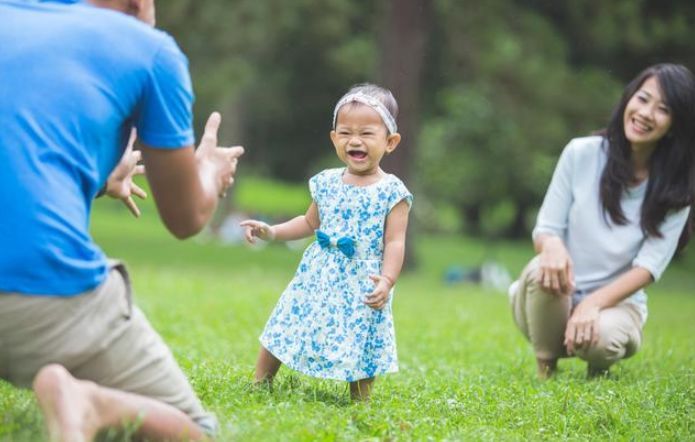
357, 154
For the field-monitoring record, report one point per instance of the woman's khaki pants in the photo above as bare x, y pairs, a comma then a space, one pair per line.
542, 318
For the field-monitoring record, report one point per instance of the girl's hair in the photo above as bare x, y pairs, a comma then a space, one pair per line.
382, 94
671, 182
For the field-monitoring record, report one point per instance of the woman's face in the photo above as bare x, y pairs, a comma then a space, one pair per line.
647, 118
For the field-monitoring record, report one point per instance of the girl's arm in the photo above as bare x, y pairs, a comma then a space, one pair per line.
299, 227
582, 327
394, 252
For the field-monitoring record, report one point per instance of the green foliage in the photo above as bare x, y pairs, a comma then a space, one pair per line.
465, 371
511, 104
507, 84
271, 198
275, 69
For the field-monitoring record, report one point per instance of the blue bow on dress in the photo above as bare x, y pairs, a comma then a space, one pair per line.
345, 244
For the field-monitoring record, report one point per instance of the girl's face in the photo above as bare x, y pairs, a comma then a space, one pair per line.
361, 139
647, 118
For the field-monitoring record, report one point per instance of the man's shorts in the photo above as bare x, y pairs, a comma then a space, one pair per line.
99, 336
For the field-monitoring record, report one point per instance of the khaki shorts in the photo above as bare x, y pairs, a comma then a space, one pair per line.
97, 335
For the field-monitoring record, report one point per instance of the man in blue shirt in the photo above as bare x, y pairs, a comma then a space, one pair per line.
77, 75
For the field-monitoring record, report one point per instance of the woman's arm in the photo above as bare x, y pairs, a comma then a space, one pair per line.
555, 267
555, 272
582, 327
394, 253
648, 266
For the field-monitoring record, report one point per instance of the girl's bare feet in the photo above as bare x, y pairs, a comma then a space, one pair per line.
362, 389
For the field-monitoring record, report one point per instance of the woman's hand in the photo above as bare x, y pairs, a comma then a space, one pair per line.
380, 295
555, 269
582, 326
257, 229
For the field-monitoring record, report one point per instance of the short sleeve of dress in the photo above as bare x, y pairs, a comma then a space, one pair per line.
314, 185
398, 193
656, 253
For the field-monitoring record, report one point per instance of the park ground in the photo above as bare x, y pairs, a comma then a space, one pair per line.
465, 371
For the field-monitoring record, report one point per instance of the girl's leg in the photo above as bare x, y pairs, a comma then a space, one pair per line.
360, 390
267, 366
541, 317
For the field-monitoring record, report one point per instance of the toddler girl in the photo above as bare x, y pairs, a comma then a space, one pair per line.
334, 319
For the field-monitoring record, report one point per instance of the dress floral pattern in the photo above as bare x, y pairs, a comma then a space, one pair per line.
321, 326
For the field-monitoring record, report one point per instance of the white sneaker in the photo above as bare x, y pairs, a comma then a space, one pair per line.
512, 289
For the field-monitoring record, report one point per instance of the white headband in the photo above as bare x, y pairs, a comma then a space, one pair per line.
372, 102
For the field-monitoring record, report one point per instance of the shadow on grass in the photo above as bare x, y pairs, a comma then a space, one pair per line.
295, 388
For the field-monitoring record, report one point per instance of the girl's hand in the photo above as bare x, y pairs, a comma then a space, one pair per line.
582, 326
555, 269
378, 298
257, 229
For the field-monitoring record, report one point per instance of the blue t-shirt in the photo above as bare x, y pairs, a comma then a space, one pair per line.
74, 79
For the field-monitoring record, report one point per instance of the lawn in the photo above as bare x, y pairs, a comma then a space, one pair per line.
465, 372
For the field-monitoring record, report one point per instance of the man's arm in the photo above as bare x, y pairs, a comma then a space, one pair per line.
186, 183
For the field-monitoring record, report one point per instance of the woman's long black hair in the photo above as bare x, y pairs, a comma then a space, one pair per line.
671, 183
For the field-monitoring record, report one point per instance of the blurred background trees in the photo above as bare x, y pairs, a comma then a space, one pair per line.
490, 92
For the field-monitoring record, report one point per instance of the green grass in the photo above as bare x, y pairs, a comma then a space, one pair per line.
465, 372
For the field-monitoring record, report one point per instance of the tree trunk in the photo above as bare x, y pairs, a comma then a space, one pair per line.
517, 228
472, 214
406, 24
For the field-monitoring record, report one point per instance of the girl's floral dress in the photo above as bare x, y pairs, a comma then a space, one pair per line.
321, 326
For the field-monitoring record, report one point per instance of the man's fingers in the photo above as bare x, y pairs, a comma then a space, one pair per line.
131, 139
139, 170
137, 191
130, 204
209, 139
136, 156
235, 151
